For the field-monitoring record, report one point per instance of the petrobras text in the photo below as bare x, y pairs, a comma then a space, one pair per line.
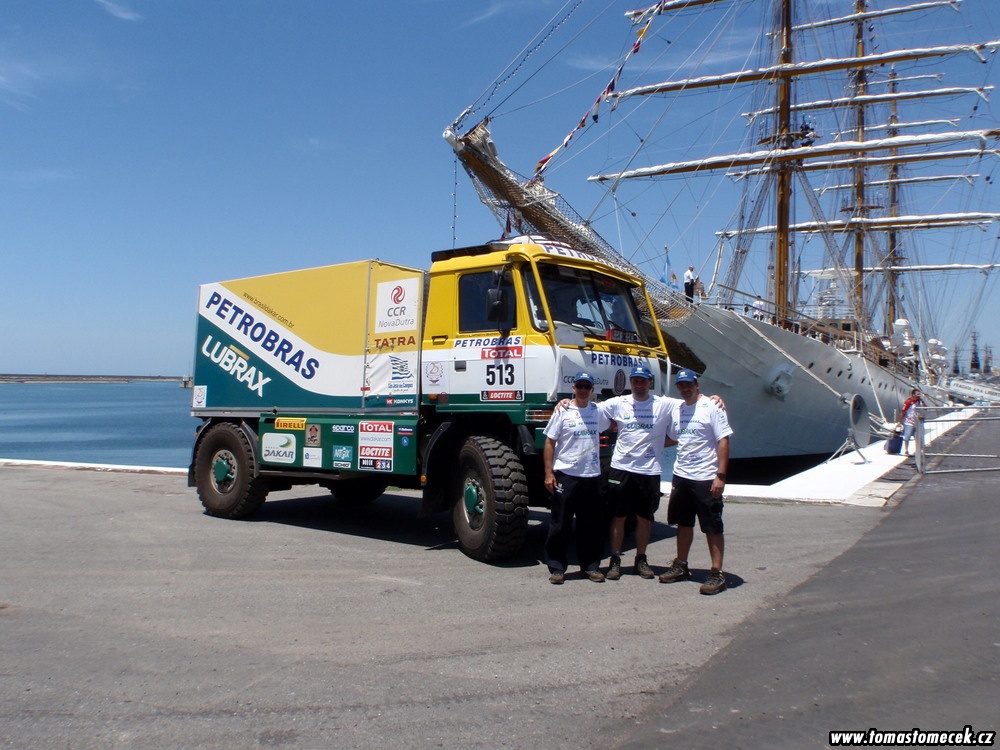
617, 360
242, 325
553, 248
490, 341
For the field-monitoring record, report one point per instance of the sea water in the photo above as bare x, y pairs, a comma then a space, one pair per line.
140, 423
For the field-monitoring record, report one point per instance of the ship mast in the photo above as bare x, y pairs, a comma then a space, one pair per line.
892, 257
784, 169
860, 76
789, 151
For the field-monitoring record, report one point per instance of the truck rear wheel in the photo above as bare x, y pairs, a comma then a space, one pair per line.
490, 512
223, 469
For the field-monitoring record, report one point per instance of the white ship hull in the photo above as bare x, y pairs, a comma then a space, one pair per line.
786, 394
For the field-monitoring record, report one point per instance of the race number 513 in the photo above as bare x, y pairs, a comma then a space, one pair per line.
500, 374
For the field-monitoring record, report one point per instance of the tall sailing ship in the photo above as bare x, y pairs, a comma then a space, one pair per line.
814, 303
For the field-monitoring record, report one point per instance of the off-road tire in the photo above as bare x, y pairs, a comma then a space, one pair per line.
491, 476
223, 470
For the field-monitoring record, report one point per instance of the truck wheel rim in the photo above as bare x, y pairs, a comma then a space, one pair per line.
473, 497
223, 468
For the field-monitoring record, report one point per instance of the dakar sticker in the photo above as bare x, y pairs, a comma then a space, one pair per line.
278, 448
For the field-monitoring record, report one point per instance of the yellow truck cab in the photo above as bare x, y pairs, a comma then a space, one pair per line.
440, 380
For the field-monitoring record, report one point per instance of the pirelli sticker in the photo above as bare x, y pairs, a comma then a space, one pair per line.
290, 423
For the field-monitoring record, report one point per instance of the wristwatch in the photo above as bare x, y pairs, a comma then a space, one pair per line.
721, 475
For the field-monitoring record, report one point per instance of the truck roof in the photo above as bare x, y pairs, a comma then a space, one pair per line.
537, 247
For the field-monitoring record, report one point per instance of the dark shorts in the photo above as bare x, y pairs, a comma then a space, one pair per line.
630, 493
690, 498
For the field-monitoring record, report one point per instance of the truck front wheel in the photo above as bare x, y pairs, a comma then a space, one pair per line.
490, 511
223, 469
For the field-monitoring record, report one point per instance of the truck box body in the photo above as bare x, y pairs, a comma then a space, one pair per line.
336, 338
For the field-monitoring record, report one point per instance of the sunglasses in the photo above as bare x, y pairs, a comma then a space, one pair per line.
583, 385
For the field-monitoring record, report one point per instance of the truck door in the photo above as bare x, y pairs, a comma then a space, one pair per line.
474, 351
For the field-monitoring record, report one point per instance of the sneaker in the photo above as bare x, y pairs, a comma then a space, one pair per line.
642, 567
557, 578
715, 582
678, 571
614, 569
594, 575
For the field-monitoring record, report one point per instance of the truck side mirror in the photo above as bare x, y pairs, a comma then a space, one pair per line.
497, 305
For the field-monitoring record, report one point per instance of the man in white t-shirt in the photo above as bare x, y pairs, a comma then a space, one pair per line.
573, 478
701, 431
636, 465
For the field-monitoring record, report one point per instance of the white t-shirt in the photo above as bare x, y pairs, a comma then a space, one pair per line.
577, 432
642, 426
697, 428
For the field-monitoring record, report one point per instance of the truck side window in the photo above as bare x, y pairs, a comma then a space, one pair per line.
472, 303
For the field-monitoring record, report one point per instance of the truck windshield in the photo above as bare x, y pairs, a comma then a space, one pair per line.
599, 305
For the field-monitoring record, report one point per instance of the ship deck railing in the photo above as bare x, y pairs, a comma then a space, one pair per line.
849, 342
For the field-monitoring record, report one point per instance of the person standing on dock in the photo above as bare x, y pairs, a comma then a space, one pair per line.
909, 418
701, 431
573, 479
636, 465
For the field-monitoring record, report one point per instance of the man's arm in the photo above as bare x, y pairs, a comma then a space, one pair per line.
548, 457
719, 483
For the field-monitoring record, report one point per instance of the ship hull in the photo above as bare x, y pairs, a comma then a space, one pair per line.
786, 394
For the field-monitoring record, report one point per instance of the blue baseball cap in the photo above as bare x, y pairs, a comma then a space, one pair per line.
584, 375
686, 376
640, 371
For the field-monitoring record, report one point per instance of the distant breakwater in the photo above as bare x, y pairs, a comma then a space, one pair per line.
29, 378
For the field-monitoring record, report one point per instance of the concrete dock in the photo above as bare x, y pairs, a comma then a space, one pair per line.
129, 619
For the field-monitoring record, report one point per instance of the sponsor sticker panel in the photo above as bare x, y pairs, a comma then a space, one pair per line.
347, 443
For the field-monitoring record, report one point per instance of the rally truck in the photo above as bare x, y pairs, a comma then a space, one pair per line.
365, 375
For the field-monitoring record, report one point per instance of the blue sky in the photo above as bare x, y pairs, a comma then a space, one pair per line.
153, 145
